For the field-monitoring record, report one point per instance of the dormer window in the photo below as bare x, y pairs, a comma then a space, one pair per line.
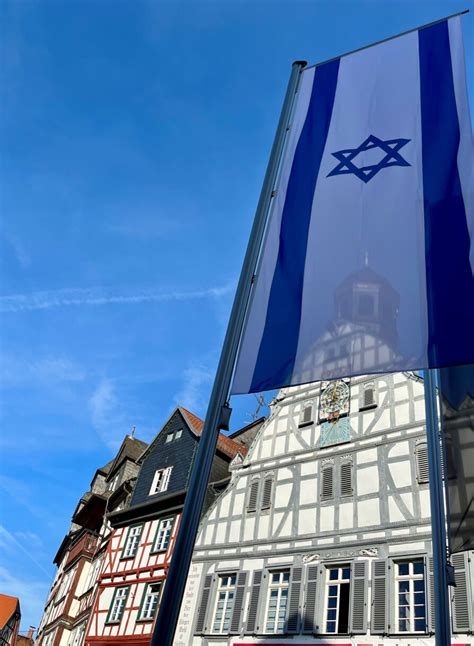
161, 481
113, 483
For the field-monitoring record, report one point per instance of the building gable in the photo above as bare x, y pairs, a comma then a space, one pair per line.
169, 450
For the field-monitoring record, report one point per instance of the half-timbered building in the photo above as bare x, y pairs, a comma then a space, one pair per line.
323, 533
80, 555
139, 552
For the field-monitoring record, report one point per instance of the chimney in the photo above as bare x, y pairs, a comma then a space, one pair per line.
31, 630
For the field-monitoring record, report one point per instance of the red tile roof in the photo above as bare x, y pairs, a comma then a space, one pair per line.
8, 607
224, 443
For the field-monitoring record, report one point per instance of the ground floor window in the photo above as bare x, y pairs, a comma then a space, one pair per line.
224, 603
338, 583
410, 596
277, 601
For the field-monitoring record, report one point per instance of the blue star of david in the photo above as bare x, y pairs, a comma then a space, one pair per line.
392, 158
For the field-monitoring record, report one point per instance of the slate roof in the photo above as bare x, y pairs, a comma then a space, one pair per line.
8, 607
131, 449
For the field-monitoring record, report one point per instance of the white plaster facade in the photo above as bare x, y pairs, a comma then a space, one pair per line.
310, 518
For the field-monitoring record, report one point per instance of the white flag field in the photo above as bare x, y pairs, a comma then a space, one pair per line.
367, 262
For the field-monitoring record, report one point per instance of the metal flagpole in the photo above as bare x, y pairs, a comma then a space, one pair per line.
218, 411
438, 516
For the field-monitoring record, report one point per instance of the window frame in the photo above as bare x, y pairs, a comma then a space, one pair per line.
117, 622
395, 580
140, 618
154, 549
217, 589
279, 587
165, 478
331, 582
129, 530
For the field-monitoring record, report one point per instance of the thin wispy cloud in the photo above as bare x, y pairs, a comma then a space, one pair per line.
197, 380
69, 297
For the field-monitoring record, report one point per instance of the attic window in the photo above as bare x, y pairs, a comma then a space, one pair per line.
160, 481
174, 435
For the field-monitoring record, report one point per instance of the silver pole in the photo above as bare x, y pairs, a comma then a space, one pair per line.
173, 591
438, 516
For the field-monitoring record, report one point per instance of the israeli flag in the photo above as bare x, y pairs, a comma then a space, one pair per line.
366, 264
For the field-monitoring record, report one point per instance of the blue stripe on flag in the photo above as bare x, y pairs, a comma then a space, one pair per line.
449, 280
277, 352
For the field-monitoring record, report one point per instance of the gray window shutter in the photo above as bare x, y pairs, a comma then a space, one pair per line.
252, 616
253, 496
293, 615
369, 395
202, 611
431, 594
421, 452
238, 604
461, 597
379, 597
346, 479
308, 414
359, 597
309, 621
267, 492
327, 487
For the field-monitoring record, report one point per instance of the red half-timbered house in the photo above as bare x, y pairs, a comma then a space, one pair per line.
139, 552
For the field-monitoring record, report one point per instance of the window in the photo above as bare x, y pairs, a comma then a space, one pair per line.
113, 483
421, 455
49, 638
277, 601
132, 541
76, 638
307, 415
118, 605
65, 584
253, 495
338, 582
410, 597
174, 435
224, 603
267, 493
368, 397
150, 599
327, 485
93, 573
163, 534
346, 479
160, 481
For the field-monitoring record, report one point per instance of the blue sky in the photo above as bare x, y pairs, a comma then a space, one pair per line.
135, 138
